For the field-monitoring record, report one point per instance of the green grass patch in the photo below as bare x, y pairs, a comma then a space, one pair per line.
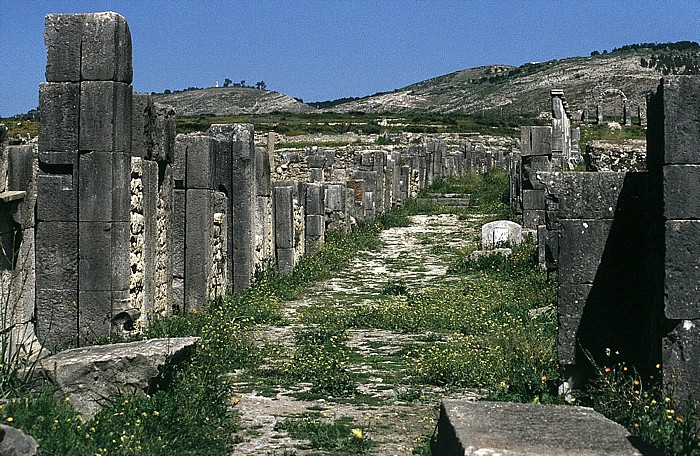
339, 437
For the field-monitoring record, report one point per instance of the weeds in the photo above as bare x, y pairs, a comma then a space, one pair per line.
341, 436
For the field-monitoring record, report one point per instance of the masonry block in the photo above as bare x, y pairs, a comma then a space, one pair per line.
535, 140
95, 241
316, 175
105, 116
164, 132
571, 301
533, 199
142, 124
681, 121
262, 172
682, 276
316, 159
315, 226
20, 167
243, 204
223, 162
94, 315
57, 250
119, 257
681, 189
284, 217
314, 199
199, 213
57, 317
62, 37
178, 233
180, 161
285, 260
106, 48
200, 162
680, 347
59, 108
334, 197
533, 218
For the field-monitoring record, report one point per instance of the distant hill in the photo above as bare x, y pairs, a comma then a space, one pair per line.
632, 70
224, 101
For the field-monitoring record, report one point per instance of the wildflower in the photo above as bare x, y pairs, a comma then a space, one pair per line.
357, 434
679, 419
543, 378
9, 419
607, 370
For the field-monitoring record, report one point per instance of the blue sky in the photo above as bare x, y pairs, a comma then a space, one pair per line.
319, 50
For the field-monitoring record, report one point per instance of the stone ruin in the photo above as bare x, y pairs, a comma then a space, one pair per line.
116, 220
624, 245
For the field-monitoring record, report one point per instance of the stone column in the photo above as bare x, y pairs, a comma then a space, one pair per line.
536, 153
284, 228
84, 182
673, 160
315, 216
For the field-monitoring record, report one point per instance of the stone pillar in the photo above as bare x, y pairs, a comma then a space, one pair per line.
598, 114
284, 228
84, 180
561, 129
673, 160
536, 153
314, 220
335, 197
264, 224
626, 116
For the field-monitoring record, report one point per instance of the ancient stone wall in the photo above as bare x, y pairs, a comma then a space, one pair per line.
617, 156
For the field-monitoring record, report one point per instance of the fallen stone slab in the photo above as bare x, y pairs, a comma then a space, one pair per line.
14, 442
93, 376
508, 429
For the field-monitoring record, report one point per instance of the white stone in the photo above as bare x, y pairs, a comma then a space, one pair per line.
500, 232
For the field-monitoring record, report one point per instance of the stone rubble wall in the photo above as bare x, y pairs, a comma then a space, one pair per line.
628, 155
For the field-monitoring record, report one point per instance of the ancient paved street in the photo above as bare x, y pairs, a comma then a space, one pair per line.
397, 414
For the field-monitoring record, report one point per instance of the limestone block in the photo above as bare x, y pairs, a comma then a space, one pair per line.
119, 257
679, 351
200, 162
284, 217
285, 260
223, 162
314, 199
243, 204
682, 275
62, 37
571, 302
94, 315
533, 199
91, 376
262, 172
681, 118
105, 116
535, 140
59, 108
199, 213
57, 247
315, 226
104, 192
142, 124
499, 232
164, 133
178, 233
334, 197
106, 48
603, 195
469, 427
20, 167
95, 242
681, 188
316, 159
14, 442
180, 161
533, 218
57, 317
316, 175
581, 247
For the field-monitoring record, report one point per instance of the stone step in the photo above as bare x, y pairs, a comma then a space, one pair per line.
509, 429
444, 201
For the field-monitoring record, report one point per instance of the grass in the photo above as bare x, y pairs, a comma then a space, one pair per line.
337, 437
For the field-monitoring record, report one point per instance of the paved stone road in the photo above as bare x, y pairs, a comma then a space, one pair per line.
417, 256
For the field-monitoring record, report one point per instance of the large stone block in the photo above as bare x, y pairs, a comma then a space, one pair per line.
314, 199
571, 302
20, 168
95, 242
119, 257
581, 247
200, 162
603, 195
533, 218
59, 108
180, 161
142, 124
164, 132
199, 217
57, 250
223, 163
334, 197
535, 140
285, 260
177, 240
105, 116
533, 199
243, 204
57, 317
315, 226
94, 315
106, 48
682, 277
105, 187
62, 37
681, 119
57, 198
284, 217
680, 348
681, 191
